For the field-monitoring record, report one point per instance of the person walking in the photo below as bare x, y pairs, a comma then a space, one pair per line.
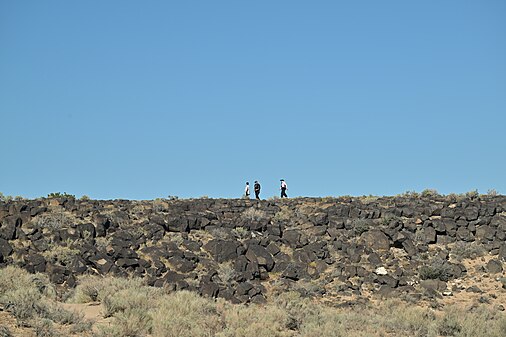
246, 190
283, 188
257, 189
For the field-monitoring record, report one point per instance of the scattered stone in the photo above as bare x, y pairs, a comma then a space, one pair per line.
494, 266
474, 289
380, 271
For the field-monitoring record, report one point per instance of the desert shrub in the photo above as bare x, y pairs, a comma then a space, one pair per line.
45, 328
472, 194
284, 214
254, 320
5, 332
394, 315
54, 221
57, 314
367, 199
309, 288
21, 292
241, 233
254, 214
221, 233
129, 323
177, 238
96, 288
62, 255
300, 310
226, 272
467, 250
429, 193
102, 242
483, 321
80, 327
492, 192
185, 313
410, 194
130, 298
84, 197
159, 205
449, 325
436, 268
23, 303
360, 226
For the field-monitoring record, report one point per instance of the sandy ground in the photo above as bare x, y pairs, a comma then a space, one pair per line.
492, 291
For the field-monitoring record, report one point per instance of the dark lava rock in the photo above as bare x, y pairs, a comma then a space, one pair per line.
5, 249
474, 289
435, 285
494, 266
376, 239
223, 250
261, 256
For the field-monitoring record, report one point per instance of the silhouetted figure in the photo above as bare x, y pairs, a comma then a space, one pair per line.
257, 189
246, 190
283, 188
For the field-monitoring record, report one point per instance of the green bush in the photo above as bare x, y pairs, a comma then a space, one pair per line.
429, 193
241, 233
467, 250
472, 194
61, 195
436, 268
5, 198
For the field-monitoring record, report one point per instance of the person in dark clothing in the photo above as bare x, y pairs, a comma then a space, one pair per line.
257, 189
283, 188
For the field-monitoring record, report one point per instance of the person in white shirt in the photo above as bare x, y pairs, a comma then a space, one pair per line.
246, 190
283, 189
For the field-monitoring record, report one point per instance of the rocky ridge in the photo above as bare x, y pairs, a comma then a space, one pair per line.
246, 250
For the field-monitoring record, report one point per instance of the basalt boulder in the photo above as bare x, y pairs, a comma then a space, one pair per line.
223, 250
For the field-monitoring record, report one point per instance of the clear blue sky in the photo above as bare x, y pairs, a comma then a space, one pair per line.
144, 99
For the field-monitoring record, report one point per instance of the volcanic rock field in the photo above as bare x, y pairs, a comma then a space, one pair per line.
343, 250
